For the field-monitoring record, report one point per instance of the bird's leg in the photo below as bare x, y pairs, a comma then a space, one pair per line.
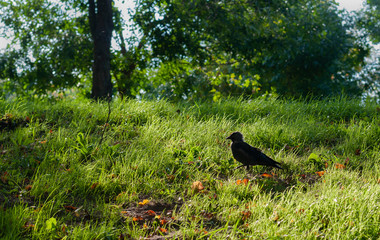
239, 167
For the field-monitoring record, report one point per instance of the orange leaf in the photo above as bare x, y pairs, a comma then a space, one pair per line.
326, 164
163, 221
339, 166
246, 215
170, 177
28, 226
151, 212
275, 216
320, 173
357, 152
4, 177
145, 226
163, 230
124, 212
301, 210
136, 219
245, 181
267, 175
197, 186
28, 187
43, 142
93, 186
145, 201
238, 182
69, 208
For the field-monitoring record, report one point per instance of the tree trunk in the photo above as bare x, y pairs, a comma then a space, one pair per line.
101, 24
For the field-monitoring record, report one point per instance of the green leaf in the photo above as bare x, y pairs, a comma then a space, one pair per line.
313, 157
51, 224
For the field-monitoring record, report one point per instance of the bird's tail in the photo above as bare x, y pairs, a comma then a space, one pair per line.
277, 165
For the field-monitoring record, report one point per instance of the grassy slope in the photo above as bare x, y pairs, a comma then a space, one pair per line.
52, 169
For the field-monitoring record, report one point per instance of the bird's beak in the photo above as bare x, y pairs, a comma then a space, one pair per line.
228, 137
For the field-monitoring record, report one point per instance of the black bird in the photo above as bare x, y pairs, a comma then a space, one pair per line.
248, 155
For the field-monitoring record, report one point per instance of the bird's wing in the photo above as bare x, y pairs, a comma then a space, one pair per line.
254, 156
249, 153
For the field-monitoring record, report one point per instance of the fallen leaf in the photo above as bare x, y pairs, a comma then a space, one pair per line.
339, 166
246, 215
28, 187
93, 186
28, 226
163, 222
4, 177
163, 230
275, 216
197, 186
326, 164
145, 201
138, 218
170, 177
43, 142
266, 175
70, 208
151, 213
357, 152
301, 210
320, 173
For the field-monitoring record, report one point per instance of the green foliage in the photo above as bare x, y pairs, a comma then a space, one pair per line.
370, 19
297, 47
190, 50
50, 47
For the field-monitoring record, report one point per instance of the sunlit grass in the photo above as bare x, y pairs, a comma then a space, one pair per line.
57, 181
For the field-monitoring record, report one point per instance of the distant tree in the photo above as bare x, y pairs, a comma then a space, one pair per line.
50, 49
55, 48
298, 47
371, 19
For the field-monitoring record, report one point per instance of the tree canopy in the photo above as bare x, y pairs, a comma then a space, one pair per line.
189, 49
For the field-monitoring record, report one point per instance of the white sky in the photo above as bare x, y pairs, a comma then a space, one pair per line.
351, 5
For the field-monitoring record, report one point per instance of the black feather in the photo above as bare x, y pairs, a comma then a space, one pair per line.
248, 155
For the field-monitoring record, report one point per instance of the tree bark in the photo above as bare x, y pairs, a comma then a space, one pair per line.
101, 24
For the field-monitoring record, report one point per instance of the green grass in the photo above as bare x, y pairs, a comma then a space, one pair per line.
58, 182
